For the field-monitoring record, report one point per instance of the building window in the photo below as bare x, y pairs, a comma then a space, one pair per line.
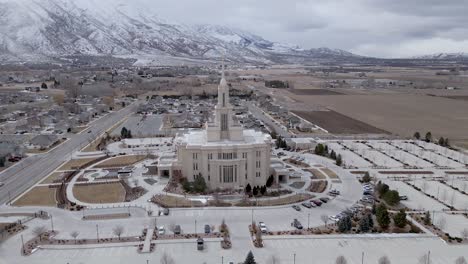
220, 173
209, 177
195, 156
224, 99
257, 164
258, 154
195, 166
228, 174
224, 122
257, 174
210, 156
208, 167
244, 155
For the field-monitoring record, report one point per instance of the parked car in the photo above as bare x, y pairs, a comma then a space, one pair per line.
317, 202
263, 227
177, 230
166, 211
403, 197
312, 204
334, 192
324, 199
207, 229
297, 208
161, 230
334, 218
200, 243
296, 224
307, 205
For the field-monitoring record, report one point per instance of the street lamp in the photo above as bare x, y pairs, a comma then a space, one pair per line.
52, 222
195, 226
308, 221
97, 233
294, 258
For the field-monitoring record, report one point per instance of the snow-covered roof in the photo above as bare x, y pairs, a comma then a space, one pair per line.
199, 138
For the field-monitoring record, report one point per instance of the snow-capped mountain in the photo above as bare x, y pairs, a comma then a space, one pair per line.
47, 30
445, 56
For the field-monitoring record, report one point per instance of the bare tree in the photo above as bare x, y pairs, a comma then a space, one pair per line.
464, 233
461, 260
167, 259
441, 222
74, 234
273, 260
324, 219
444, 195
384, 260
38, 231
118, 230
341, 260
425, 259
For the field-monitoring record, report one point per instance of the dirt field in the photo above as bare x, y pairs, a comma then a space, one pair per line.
75, 163
121, 161
100, 193
401, 114
38, 196
331, 174
337, 123
314, 92
317, 186
316, 174
51, 178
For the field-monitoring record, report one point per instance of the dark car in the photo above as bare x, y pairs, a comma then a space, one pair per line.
207, 229
317, 202
296, 224
324, 199
307, 205
166, 211
177, 230
297, 208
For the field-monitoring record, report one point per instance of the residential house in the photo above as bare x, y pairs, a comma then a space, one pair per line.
43, 141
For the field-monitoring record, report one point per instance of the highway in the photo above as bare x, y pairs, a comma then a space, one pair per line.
259, 114
29, 171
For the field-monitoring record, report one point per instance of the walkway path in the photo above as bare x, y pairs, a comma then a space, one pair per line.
147, 244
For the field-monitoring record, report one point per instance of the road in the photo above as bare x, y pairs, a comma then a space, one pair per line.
259, 114
29, 171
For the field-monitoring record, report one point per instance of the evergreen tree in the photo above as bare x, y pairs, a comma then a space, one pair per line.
339, 160
383, 217
333, 155
255, 191
123, 132
366, 178
250, 259
427, 218
446, 143
270, 181
428, 137
370, 220
263, 190
129, 134
248, 188
344, 224
441, 141
364, 224
400, 219
417, 135
44, 86
391, 197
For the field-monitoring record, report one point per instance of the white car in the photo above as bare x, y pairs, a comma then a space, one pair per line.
334, 218
263, 227
161, 230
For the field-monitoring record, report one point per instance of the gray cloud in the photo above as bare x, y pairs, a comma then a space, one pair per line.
384, 28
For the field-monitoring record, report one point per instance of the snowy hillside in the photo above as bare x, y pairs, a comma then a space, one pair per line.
46, 30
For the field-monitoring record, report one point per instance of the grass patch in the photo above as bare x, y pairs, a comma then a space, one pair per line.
172, 201
317, 186
52, 177
286, 200
38, 196
316, 174
76, 163
100, 193
121, 161
331, 174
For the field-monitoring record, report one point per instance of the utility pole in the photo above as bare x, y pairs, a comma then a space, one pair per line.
52, 222
362, 258
222, 259
97, 233
429, 257
294, 258
195, 226
22, 242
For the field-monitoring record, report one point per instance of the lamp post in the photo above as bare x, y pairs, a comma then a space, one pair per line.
52, 222
308, 221
294, 259
362, 258
195, 226
97, 233
22, 242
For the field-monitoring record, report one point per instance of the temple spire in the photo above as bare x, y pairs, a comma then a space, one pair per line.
222, 70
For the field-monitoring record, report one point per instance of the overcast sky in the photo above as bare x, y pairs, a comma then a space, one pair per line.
381, 28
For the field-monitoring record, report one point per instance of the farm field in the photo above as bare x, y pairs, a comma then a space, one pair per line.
337, 123
401, 114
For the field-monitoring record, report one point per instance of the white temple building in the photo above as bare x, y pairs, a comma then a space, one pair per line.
224, 154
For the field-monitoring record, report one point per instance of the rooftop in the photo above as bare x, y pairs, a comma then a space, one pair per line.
195, 138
